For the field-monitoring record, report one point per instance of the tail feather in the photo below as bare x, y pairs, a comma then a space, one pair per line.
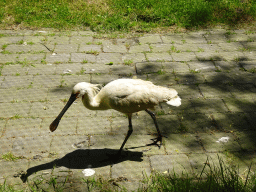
176, 101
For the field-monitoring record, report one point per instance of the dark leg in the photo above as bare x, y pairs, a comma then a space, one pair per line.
159, 138
128, 133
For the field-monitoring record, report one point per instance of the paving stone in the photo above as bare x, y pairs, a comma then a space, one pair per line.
6, 146
215, 90
243, 91
172, 39
41, 69
93, 126
199, 66
232, 121
241, 105
22, 127
26, 48
219, 142
131, 170
188, 91
103, 78
148, 67
58, 40
81, 39
247, 65
31, 58
68, 81
209, 55
133, 57
14, 70
68, 69
189, 78
209, 105
22, 146
139, 48
58, 58
185, 143
114, 49
219, 78
232, 56
43, 81
194, 123
17, 81
62, 145
195, 47
215, 38
178, 164
159, 57
161, 47
106, 58
226, 66
90, 48
10, 40
8, 58
232, 46
246, 139
83, 58
68, 48
194, 38
43, 109
33, 39
150, 39
185, 56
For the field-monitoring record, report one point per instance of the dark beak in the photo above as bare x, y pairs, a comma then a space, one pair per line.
55, 123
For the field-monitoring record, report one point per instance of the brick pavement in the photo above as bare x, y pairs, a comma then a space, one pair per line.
213, 71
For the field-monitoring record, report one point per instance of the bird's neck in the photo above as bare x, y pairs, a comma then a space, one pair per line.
89, 101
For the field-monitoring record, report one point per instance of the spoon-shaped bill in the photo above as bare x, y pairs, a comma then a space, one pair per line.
55, 123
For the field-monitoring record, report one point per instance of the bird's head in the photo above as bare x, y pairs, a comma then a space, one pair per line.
80, 89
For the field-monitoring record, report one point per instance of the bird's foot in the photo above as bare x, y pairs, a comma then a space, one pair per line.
156, 140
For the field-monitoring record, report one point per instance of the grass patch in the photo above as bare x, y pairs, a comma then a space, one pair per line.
125, 15
10, 157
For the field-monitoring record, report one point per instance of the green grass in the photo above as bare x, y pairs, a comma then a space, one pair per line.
125, 15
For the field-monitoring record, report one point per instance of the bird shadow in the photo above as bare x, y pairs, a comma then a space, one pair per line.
86, 158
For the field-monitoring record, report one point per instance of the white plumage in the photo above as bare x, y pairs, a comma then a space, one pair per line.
124, 95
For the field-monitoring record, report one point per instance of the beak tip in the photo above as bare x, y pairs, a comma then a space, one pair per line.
54, 125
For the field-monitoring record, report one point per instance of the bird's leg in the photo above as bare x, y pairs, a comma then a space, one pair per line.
159, 138
128, 133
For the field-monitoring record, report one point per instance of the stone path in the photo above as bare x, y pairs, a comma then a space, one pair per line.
213, 71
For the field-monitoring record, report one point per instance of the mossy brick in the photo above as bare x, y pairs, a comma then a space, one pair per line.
248, 65
187, 91
198, 66
150, 39
14, 70
148, 67
90, 48
238, 37
232, 56
6, 144
230, 47
83, 57
219, 142
106, 58
139, 48
134, 58
131, 170
41, 69
226, 65
215, 90
178, 164
122, 70
194, 38
93, 125
251, 56
159, 57
66, 48
241, 105
246, 139
58, 40
194, 123
193, 47
17, 81
250, 45
56, 58
103, 78
69, 81
10, 39
160, 47
114, 49
219, 78
184, 56
177, 67
232, 122
243, 91
189, 78
182, 143
173, 39
186, 106
209, 105
33, 39
30, 95
80, 39
7, 95
208, 55
43, 81
43, 109
26, 48
31, 58
215, 38
29, 147
68, 69
8, 58
113, 142
22, 127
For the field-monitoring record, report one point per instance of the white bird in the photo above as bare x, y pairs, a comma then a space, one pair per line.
124, 95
